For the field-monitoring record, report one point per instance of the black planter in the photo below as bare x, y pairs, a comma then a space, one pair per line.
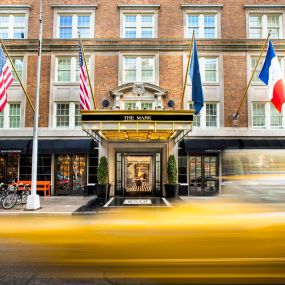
171, 190
103, 191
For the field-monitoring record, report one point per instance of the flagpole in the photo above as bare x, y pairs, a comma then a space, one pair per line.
86, 67
33, 202
187, 69
236, 115
18, 77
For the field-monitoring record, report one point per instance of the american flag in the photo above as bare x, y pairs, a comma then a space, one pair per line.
6, 78
84, 93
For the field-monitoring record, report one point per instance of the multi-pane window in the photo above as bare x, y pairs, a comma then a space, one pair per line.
138, 69
130, 105
204, 25
2, 120
211, 115
12, 26
138, 26
138, 105
19, 65
258, 115
62, 115
260, 25
209, 69
10, 117
264, 115
196, 118
67, 115
70, 24
146, 105
255, 78
275, 118
208, 116
14, 115
77, 115
67, 69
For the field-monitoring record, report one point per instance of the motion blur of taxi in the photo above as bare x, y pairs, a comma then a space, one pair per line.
209, 242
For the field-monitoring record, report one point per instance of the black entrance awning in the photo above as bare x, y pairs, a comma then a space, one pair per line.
14, 146
66, 146
218, 145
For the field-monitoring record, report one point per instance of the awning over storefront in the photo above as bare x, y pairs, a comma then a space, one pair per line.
218, 145
46, 146
137, 125
13, 146
64, 146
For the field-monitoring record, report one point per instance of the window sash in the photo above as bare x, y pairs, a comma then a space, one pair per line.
138, 69
138, 25
260, 24
258, 115
130, 105
70, 24
19, 65
12, 26
2, 119
62, 115
77, 115
276, 118
204, 25
14, 117
211, 115
196, 118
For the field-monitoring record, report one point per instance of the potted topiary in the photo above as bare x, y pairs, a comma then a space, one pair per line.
171, 188
103, 188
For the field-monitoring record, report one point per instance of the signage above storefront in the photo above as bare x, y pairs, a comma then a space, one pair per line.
137, 125
3, 151
157, 116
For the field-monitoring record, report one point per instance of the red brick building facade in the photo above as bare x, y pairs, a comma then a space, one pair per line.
145, 42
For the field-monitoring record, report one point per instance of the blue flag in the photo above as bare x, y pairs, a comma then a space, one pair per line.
194, 73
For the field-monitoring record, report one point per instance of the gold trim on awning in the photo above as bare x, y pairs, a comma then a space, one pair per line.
137, 125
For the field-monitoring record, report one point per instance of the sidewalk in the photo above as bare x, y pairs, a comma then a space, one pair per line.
51, 205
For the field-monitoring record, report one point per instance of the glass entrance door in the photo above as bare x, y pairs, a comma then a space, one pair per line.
9, 168
70, 174
138, 175
203, 175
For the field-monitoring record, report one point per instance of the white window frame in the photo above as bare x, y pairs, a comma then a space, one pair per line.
264, 11
138, 104
139, 9
15, 10
201, 25
281, 59
139, 58
201, 11
139, 25
203, 71
71, 115
15, 81
73, 67
267, 117
6, 121
202, 115
74, 11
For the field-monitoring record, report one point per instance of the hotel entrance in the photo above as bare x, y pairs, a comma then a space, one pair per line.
138, 174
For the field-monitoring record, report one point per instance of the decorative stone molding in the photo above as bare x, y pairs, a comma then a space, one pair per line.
138, 6
202, 6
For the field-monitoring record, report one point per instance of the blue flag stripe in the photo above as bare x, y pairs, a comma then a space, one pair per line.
264, 73
194, 73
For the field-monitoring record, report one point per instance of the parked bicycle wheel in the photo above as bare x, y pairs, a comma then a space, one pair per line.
24, 196
10, 201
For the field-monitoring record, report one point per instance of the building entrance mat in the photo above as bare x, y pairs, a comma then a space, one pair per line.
125, 202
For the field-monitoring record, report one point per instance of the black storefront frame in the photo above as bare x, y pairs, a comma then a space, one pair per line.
121, 192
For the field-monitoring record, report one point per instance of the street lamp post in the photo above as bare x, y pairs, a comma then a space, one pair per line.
33, 202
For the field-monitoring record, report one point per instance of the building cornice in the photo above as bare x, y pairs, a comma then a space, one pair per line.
138, 6
261, 6
15, 7
202, 6
82, 6
156, 45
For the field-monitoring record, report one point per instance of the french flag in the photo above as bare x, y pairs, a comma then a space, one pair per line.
271, 75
